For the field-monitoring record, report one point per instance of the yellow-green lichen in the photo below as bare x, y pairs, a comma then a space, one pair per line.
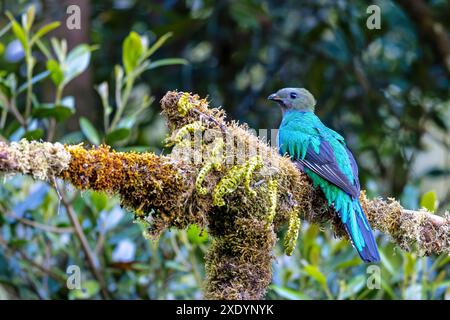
290, 239
272, 193
201, 177
234, 177
184, 104
253, 164
214, 161
183, 131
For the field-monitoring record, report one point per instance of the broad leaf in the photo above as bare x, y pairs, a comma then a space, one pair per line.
131, 51
34, 134
28, 17
18, 31
197, 235
77, 61
44, 30
56, 73
316, 274
60, 111
289, 293
89, 131
117, 135
429, 201
89, 289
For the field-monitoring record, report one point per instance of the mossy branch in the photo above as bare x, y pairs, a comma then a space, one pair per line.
241, 211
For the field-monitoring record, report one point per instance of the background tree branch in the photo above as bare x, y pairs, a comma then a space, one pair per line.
432, 31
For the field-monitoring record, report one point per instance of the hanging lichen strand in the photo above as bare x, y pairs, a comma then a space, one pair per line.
222, 178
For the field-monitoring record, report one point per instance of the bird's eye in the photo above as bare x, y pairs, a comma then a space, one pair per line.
293, 95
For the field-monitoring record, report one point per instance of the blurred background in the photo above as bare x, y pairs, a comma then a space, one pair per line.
98, 76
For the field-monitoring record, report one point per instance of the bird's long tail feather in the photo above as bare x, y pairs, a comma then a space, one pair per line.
358, 228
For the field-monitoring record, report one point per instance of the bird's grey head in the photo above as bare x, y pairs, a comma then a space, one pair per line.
294, 98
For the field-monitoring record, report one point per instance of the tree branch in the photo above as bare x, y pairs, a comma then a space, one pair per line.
90, 255
433, 31
38, 225
222, 178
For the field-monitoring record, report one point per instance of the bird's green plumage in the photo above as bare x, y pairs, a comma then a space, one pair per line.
327, 161
300, 130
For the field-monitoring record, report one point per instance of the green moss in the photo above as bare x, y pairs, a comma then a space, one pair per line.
146, 183
239, 262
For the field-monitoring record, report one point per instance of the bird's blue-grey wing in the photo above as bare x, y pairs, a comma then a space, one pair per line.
354, 166
325, 165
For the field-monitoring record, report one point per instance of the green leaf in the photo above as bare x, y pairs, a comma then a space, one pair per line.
17, 243
34, 134
138, 149
157, 45
39, 77
99, 201
197, 235
131, 51
348, 263
72, 138
60, 111
18, 31
89, 289
316, 274
444, 284
77, 61
166, 62
409, 264
429, 201
44, 49
174, 265
289, 293
60, 48
8, 85
56, 73
314, 254
28, 17
127, 122
388, 263
44, 30
353, 286
103, 91
89, 131
247, 14
5, 29
117, 135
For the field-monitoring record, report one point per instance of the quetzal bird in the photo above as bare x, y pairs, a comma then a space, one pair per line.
323, 155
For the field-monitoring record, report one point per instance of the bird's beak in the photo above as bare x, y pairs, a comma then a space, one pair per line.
275, 97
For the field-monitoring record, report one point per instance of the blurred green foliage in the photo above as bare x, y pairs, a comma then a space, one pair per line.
384, 90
